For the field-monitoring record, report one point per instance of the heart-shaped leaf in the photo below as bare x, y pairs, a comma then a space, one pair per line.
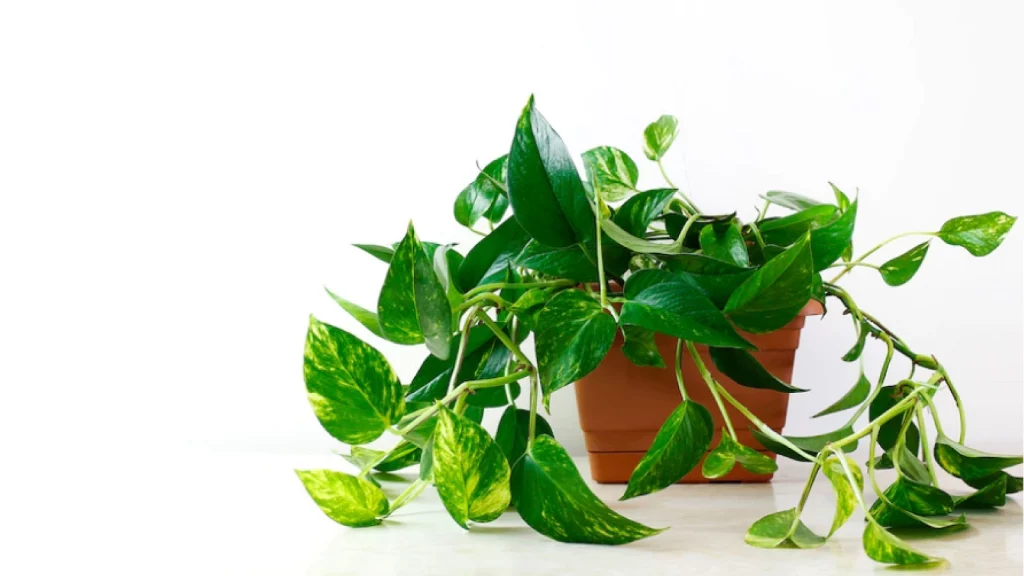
663, 302
470, 470
725, 242
556, 502
346, 499
782, 529
847, 495
659, 136
907, 504
742, 368
544, 188
637, 213
882, 546
488, 260
979, 234
362, 315
681, 442
512, 437
573, 335
640, 348
611, 171
964, 462
721, 460
790, 200
773, 295
853, 398
479, 199
902, 268
413, 306
810, 444
570, 263
829, 241
352, 389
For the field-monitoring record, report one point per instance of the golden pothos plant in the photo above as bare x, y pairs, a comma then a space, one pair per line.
697, 277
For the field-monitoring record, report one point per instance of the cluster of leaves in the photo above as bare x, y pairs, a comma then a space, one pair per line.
660, 266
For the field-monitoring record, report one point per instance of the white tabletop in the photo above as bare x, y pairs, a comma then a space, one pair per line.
246, 513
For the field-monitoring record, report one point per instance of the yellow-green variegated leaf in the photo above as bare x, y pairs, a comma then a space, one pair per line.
846, 494
413, 306
659, 136
351, 387
968, 463
611, 171
470, 470
721, 460
979, 234
905, 502
346, 499
881, 546
680, 444
556, 502
573, 335
782, 528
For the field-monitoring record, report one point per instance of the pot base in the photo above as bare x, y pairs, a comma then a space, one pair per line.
616, 467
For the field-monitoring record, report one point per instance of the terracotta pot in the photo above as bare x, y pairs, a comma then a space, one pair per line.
622, 406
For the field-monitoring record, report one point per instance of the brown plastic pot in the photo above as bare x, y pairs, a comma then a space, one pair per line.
622, 406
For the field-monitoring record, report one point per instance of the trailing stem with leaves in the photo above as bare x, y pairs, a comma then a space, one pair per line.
577, 261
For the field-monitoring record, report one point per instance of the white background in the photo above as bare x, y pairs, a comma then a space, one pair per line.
179, 180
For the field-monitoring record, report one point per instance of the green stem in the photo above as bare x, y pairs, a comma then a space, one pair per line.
862, 264
919, 412
534, 392
494, 181
764, 428
460, 403
807, 488
499, 285
479, 299
884, 417
686, 228
679, 370
508, 342
408, 495
959, 403
881, 380
710, 381
935, 416
600, 253
850, 265
764, 210
463, 341
757, 234
688, 203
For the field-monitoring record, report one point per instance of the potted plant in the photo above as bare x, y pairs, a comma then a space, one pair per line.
583, 264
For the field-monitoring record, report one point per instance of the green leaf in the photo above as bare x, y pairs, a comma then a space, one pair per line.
446, 265
571, 263
721, 460
401, 457
479, 198
790, 200
1014, 484
640, 348
715, 279
512, 437
637, 213
858, 347
490, 362
556, 502
659, 136
725, 243
907, 504
681, 442
382, 253
785, 231
544, 188
362, 315
782, 529
810, 444
847, 495
351, 386
902, 268
964, 462
413, 306
663, 302
853, 398
881, 546
470, 470
488, 261
888, 433
990, 495
775, 293
431, 380
829, 241
573, 334
842, 200
611, 171
979, 234
347, 500
742, 368
639, 245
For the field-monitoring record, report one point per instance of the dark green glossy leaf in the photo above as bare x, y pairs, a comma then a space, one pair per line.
659, 136
979, 234
556, 502
810, 444
721, 460
902, 268
782, 529
725, 243
964, 462
742, 368
470, 471
413, 306
362, 315
818, 291
887, 397
784, 231
775, 293
347, 500
512, 437
571, 263
847, 494
350, 385
488, 261
858, 347
1014, 484
881, 546
637, 213
714, 278
382, 253
991, 495
674, 224
573, 334
611, 171
681, 442
661, 301
905, 502
489, 363
790, 200
829, 241
479, 198
853, 398
431, 380
640, 348
544, 188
